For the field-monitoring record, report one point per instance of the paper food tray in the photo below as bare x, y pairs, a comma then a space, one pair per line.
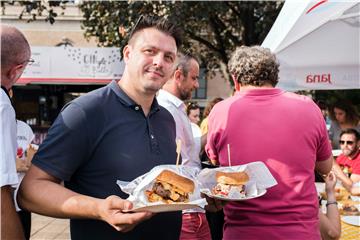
260, 179
352, 220
162, 207
136, 190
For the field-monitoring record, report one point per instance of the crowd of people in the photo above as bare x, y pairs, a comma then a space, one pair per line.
96, 138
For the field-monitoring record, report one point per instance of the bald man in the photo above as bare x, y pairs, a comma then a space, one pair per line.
15, 55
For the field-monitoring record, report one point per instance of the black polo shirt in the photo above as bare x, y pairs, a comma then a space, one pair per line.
104, 136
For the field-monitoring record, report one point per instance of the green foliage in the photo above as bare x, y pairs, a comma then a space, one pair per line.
212, 29
37, 8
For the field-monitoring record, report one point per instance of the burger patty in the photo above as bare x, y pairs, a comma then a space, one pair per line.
159, 190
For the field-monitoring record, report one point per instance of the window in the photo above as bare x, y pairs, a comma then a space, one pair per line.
200, 93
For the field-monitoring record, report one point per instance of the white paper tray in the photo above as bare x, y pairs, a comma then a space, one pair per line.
352, 220
259, 194
164, 207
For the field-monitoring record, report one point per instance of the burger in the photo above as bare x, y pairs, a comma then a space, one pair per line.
230, 182
170, 187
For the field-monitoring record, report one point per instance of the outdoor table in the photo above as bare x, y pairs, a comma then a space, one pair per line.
348, 231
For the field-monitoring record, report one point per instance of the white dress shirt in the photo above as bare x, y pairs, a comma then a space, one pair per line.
8, 143
196, 131
189, 154
177, 108
25, 135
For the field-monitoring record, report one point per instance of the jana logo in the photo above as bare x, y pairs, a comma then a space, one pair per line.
315, 6
319, 78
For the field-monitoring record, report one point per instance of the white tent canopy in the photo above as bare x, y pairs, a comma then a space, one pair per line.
317, 44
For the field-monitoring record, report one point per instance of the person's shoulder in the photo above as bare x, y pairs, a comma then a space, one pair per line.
22, 124
340, 158
4, 99
298, 97
164, 112
301, 100
226, 102
357, 158
93, 96
94, 100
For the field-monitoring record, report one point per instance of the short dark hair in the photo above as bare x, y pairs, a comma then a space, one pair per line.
351, 131
210, 106
255, 66
321, 104
191, 106
162, 24
351, 115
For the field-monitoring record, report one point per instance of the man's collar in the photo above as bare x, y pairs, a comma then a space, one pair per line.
6, 91
171, 98
355, 155
126, 100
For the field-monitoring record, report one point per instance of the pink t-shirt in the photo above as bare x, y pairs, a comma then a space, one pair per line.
288, 133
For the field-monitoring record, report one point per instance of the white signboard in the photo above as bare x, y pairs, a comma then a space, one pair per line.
55, 65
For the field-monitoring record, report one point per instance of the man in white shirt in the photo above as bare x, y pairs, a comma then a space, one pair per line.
15, 55
172, 96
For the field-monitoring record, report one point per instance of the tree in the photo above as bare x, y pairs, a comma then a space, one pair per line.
37, 8
212, 29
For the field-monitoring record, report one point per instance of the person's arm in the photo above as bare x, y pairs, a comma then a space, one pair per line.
21, 165
330, 226
324, 167
56, 201
11, 227
203, 141
355, 177
355, 191
345, 181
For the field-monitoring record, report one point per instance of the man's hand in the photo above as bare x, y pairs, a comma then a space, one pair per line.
111, 211
21, 165
330, 182
213, 205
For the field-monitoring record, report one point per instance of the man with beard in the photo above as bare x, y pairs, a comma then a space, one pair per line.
95, 141
349, 159
172, 96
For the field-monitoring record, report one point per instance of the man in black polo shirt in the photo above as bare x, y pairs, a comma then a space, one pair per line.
116, 132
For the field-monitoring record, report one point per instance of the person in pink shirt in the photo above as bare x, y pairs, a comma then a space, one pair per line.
284, 130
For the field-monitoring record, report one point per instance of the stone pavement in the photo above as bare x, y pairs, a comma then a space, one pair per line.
46, 228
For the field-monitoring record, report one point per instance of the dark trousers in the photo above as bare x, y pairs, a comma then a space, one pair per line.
25, 218
216, 223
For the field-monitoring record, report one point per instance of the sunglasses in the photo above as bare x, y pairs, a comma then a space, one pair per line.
28, 62
192, 105
346, 142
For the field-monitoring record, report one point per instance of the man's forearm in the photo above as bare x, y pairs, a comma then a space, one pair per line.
11, 227
56, 201
324, 167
